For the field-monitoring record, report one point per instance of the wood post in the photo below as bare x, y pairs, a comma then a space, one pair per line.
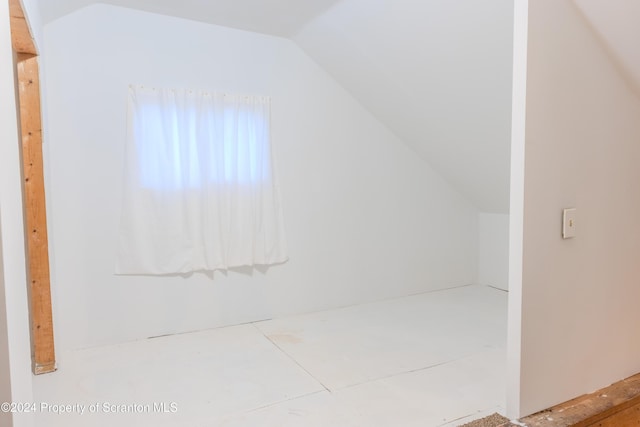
20, 33
43, 352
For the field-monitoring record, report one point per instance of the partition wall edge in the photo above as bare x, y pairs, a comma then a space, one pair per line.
516, 209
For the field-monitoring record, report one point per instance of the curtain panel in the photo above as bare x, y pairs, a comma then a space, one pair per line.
200, 190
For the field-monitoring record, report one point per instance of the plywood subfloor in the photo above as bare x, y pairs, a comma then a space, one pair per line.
434, 359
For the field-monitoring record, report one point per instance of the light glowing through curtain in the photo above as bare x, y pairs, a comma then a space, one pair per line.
200, 191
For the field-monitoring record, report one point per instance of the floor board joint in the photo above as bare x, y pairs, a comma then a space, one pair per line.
293, 359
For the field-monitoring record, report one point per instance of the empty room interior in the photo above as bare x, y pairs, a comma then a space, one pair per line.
316, 213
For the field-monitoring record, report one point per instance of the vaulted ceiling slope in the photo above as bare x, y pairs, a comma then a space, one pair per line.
617, 23
436, 72
277, 17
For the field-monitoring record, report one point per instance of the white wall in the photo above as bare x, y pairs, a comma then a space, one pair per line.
365, 218
516, 204
438, 73
493, 250
31, 9
616, 22
15, 348
580, 297
5, 367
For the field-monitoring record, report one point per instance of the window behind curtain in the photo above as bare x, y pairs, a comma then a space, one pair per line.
200, 190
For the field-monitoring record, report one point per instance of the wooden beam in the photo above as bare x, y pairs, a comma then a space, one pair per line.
43, 351
20, 33
35, 216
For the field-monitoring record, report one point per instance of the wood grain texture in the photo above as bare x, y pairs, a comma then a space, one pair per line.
35, 216
627, 417
20, 33
617, 405
43, 350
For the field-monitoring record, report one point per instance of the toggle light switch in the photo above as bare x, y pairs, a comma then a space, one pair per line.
568, 223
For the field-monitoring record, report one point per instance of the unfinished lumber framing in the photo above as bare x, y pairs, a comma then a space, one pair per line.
43, 351
20, 33
614, 406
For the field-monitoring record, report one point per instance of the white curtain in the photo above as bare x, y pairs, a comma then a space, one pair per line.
200, 191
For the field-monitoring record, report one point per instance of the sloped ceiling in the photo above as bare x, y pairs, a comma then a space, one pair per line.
277, 17
617, 22
436, 72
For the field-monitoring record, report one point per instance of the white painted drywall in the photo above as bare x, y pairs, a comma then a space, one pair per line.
364, 216
276, 17
579, 296
616, 22
5, 362
438, 73
15, 348
32, 9
516, 205
493, 250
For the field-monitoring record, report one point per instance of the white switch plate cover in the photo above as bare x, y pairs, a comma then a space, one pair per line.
568, 223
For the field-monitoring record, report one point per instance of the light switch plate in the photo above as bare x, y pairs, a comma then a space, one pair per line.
568, 223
